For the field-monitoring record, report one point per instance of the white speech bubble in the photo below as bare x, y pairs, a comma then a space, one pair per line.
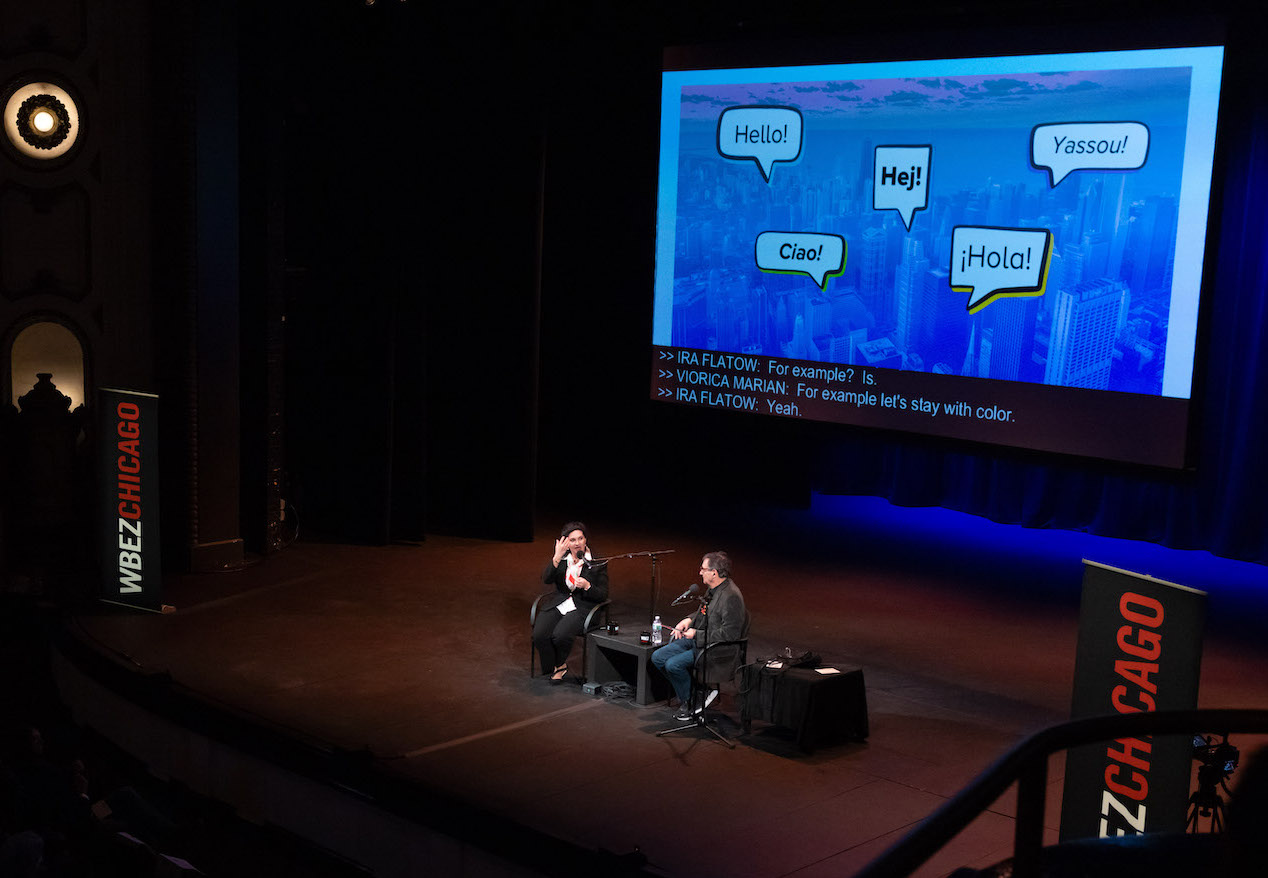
1062, 147
990, 263
764, 134
818, 255
901, 180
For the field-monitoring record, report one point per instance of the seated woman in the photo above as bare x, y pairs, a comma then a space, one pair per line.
579, 585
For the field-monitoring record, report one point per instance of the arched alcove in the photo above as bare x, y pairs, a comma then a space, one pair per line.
47, 346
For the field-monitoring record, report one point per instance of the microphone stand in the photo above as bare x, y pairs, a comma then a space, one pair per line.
699, 685
655, 583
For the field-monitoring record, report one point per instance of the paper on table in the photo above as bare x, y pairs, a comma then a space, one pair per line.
774, 665
827, 670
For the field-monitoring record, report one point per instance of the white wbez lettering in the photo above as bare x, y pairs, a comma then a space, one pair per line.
1136, 821
129, 556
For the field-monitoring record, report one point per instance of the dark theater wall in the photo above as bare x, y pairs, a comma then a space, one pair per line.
76, 248
389, 265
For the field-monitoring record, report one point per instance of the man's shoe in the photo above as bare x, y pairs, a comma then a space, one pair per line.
708, 699
684, 716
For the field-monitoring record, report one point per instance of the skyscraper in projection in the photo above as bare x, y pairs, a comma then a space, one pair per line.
1011, 324
875, 279
1085, 323
801, 346
909, 289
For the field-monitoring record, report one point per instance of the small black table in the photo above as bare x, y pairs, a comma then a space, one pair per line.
613, 657
819, 708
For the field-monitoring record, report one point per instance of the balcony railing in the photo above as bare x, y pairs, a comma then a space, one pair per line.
1027, 766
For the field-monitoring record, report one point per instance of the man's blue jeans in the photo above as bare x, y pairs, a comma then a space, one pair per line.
675, 660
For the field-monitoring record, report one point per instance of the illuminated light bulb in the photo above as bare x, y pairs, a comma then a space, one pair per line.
43, 121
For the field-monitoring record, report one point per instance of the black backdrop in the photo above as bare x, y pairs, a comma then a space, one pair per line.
484, 272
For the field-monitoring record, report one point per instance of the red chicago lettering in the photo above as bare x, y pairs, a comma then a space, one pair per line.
1153, 605
1145, 699
1146, 644
1136, 641
1138, 673
1138, 791
1128, 753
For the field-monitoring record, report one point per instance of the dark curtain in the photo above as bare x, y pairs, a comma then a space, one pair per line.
1218, 505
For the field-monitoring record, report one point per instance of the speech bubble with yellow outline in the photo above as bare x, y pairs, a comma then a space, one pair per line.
990, 263
818, 255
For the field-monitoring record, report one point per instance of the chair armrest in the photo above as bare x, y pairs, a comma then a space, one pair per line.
702, 668
532, 613
590, 617
593, 614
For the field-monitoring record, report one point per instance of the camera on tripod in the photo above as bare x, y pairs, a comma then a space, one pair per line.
1219, 757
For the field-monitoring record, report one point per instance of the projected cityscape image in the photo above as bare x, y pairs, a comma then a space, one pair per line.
1019, 227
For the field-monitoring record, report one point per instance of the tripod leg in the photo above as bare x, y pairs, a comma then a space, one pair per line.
663, 732
721, 737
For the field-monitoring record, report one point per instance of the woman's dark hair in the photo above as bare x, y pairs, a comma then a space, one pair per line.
575, 525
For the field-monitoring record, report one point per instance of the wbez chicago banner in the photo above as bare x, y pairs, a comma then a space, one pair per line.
129, 499
1140, 649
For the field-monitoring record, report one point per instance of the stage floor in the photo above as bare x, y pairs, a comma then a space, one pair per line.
420, 655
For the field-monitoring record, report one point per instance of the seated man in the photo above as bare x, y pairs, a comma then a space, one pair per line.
721, 617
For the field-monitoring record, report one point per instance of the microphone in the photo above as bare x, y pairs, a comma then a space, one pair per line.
686, 595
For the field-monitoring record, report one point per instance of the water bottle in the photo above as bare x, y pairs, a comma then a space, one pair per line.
656, 631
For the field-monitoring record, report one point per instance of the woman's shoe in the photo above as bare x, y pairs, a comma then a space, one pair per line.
560, 673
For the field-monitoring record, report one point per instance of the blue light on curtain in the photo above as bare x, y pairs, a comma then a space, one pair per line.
1219, 507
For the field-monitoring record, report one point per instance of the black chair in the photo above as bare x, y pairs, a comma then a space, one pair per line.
731, 655
592, 622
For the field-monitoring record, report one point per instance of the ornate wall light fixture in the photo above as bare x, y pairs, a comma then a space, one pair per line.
41, 120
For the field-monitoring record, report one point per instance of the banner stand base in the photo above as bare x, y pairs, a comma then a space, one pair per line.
165, 609
216, 557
